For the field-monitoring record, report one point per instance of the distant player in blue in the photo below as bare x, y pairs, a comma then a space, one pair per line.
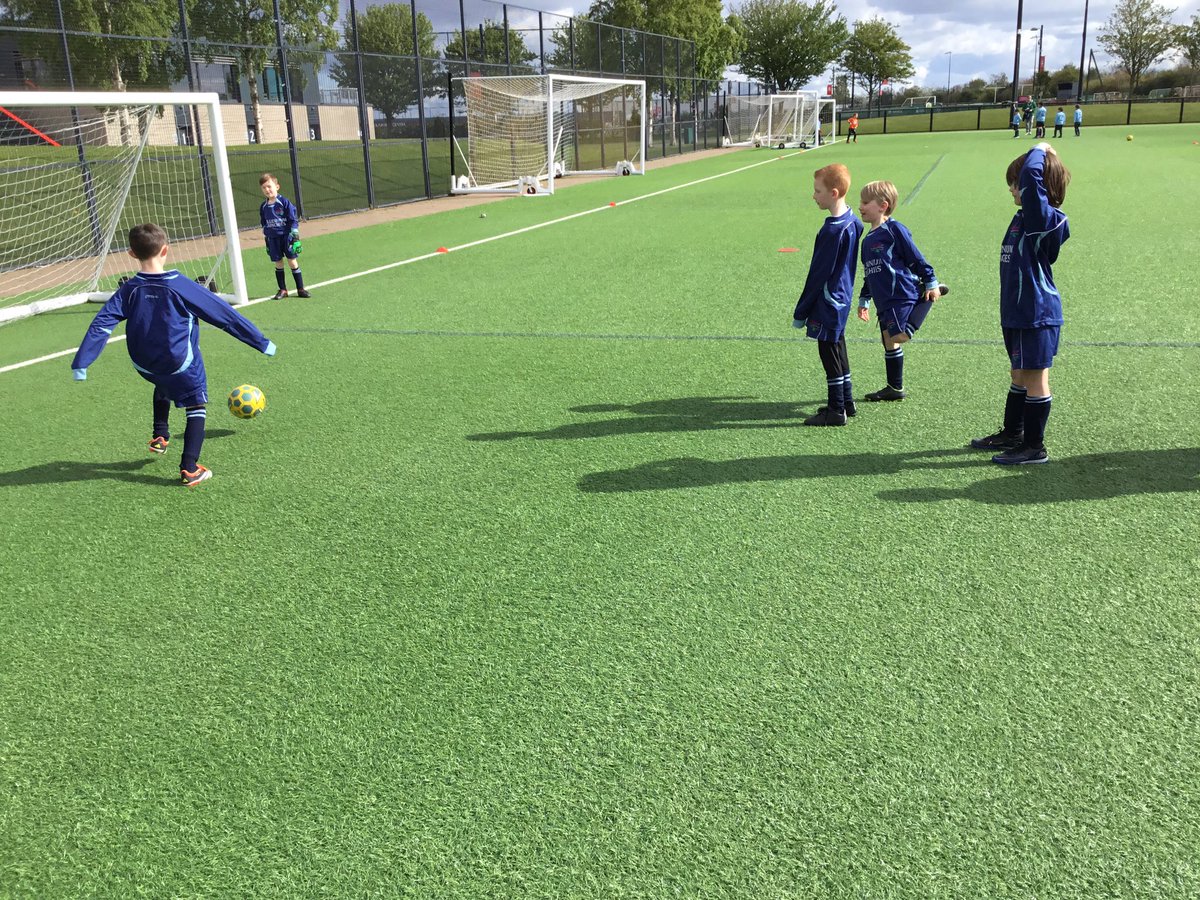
899, 280
824, 304
1040, 119
1060, 119
1030, 306
281, 228
163, 310
1078, 119
1016, 121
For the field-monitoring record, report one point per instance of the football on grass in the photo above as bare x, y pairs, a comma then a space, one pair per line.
246, 401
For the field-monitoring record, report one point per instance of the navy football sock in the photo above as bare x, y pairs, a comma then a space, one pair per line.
193, 438
847, 391
1014, 409
162, 411
298, 278
279, 279
1037, 411
834, 385
893, 363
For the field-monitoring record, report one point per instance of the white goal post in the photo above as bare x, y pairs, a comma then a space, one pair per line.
524, 132
79, 168
787, 120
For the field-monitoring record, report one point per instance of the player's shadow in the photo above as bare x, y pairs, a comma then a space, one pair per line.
1089, 476
63, 471
657, 416
1097, 476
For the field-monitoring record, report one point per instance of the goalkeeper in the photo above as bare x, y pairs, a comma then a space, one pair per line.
281, 228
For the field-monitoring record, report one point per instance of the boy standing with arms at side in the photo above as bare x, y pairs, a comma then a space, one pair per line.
852, 133
163, 339
824, 304
1060, 119
1040, 119
899, 279
1078, 119
1030, 306
281, 228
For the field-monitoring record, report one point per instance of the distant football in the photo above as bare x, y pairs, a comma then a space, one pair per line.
246, 401
1129, 137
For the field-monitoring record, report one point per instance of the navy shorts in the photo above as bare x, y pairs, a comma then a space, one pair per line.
898, 318
184, 389
1031, 348
279, 246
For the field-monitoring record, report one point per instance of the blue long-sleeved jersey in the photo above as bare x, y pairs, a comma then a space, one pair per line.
1028, 297
1060, 118
279, 217
162, 334
824, 304
893, 267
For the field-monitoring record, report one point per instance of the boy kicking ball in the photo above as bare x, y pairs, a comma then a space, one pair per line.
161, 307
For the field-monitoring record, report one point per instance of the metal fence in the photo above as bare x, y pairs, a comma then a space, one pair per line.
346, 127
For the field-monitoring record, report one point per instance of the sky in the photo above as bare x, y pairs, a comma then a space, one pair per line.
962, 39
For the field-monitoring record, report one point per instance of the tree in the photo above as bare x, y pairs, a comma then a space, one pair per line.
1139, 33
103, 63
785, 43
486, 45
385, 34
1187, 40
248, 28
700, 21
875, 53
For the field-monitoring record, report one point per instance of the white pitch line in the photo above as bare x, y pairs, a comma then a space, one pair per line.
455, 249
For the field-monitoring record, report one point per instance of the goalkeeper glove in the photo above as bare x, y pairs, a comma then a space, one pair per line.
294, 242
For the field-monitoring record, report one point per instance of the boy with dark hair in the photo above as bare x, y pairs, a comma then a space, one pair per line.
1040, 120
1060, 119
1078, 119
824, 304
897, 277
281, 229
163, 339
852, 133
1030, 306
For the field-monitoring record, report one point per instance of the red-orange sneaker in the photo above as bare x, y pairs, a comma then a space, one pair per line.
158, 444
191, 479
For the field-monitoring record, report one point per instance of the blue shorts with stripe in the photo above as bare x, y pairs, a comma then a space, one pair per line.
279, 246
1032, 348
188, 388
902, 316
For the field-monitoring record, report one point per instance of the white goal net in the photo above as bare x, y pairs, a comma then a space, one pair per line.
792, 119
78, 170
526, 131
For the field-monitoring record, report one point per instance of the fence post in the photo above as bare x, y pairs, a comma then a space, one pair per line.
541, 45
662, 80
979, 119
507, 55
421, 89
205, 178
364, 124
89, 188
286, 85
1182, 100
1129, 108
885, 121
931, 120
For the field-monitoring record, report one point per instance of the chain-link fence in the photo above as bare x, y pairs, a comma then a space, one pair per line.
349, 103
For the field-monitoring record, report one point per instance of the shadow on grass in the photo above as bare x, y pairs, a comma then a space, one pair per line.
63, 471
656, 416
1098, 476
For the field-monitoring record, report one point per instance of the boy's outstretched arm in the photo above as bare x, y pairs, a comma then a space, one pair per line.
216, 312
96, 338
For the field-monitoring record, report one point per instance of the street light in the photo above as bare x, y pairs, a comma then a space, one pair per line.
949, 53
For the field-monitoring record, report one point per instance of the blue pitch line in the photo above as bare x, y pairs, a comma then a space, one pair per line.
583, 335
920, 184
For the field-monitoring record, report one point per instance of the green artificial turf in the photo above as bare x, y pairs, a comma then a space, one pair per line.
528, 583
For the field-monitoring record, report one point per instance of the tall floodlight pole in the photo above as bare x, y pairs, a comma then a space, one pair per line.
1082, 49
1017, 56
949, 53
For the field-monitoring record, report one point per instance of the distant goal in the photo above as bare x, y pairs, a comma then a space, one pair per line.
524, 132
79, 169
782, 121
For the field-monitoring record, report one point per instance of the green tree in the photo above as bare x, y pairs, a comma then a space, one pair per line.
787, 42
1138, 34
1187, 40
385, 34
875, 53
485, 44
245, 30
699, 21
103, 63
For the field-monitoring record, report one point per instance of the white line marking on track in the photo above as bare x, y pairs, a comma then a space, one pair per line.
455, 249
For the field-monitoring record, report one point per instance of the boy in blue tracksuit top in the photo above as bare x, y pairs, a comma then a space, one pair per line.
281, 230
1078, 119
897, 277
824, 305
1040, 118
1060, 119
161, 308
1030, 306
